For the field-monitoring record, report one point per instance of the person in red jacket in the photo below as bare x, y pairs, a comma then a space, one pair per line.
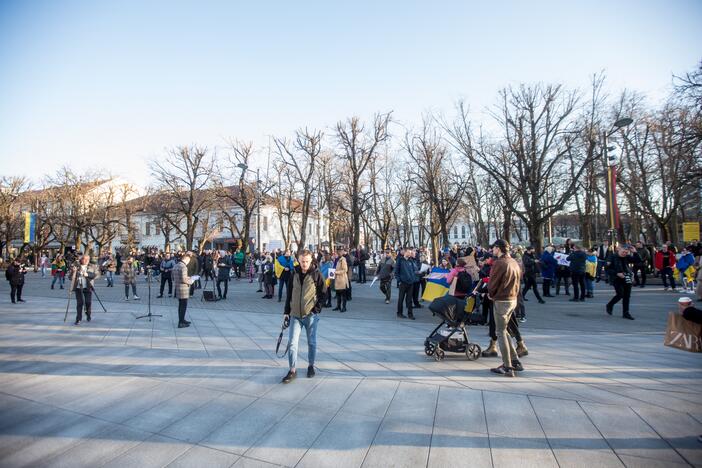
664, 261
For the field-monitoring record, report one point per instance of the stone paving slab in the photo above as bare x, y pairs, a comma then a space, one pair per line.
597, 390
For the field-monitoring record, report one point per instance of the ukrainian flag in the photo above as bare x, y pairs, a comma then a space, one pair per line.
437, 286
278, 268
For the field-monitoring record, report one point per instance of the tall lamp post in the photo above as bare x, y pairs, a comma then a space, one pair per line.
245, 168
615, 225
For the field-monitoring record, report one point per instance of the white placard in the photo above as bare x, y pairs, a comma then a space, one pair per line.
561, 258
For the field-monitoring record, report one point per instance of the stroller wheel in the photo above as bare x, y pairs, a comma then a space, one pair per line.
439, 354
429, 349
473, 351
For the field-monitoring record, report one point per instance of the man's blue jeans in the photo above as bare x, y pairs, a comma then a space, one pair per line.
310, 324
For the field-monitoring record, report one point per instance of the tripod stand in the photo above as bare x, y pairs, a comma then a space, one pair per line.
148, 303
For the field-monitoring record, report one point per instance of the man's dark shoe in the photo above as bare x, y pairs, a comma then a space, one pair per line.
159, 296
575, 299
336, 308
502, 370
410, 316
259, 290
289, 377
517, 366
609, 309
401, 316
343, 310
541, 301
418, 306
310, 371
187, 322
88, 316
77, 322
183, 325
628, 317
582, 299
21, 300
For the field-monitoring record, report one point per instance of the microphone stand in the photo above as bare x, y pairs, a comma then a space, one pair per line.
148, 303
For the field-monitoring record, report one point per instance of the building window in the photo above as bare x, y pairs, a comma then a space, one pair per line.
455, 232
265, 223
463, 232
147, 229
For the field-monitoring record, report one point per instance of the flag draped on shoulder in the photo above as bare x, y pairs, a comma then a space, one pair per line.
277, 267
437, 286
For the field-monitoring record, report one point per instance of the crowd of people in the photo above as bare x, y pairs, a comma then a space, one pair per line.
500, 276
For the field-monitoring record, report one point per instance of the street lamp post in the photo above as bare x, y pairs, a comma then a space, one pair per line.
245, 168
615, 225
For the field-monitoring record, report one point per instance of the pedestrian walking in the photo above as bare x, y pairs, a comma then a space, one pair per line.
386, 267
303, 303
182, 282
622, 279
503, 288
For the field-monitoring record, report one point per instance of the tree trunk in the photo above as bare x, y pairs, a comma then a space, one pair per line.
536, 236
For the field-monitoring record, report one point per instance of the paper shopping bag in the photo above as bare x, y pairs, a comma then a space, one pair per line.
683, 334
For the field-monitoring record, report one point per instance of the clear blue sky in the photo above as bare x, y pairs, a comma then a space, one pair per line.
98, 84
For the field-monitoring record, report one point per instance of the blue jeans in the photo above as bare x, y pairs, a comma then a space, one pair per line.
589, 285
310, 323
58, 278
110, 278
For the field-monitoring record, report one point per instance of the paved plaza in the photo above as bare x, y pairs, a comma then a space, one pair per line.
597, 390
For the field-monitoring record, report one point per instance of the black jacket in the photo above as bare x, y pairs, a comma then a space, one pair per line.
15, 274
530, 266
577, 260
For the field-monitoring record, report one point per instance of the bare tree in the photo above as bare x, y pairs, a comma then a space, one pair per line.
359, 147
11, 221
185, 178
537, 128
440, 184
300, 159
243, 196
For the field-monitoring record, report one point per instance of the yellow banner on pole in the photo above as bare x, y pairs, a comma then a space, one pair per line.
691, 231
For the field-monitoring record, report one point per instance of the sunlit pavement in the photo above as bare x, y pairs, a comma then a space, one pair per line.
596, 390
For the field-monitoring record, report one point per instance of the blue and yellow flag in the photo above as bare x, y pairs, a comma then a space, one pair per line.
30, 220
437, 286
277, 268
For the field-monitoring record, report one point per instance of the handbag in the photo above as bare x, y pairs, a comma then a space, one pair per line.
683, 334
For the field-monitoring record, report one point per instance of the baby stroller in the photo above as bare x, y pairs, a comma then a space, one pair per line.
451, 334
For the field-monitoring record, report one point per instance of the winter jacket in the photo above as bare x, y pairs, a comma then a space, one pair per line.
385, 269
306, 292
341, 276
577, 261
685, 262
658, 259
128, 273
405, 270
530, 266
505, 278
181, 280
548, 265
224, 265
15, 274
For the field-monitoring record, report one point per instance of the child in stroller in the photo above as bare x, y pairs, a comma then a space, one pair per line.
451, 334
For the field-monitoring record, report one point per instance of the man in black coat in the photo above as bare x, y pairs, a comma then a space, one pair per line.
578, 259
530, 269
15, 275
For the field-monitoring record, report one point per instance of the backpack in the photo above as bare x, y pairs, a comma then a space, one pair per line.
464, 282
